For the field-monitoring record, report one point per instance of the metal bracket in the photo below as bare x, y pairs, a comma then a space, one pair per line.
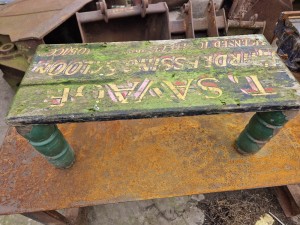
212, 30
102, 6
188, 20
144, 6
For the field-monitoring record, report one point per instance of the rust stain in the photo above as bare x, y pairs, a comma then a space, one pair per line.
129, 160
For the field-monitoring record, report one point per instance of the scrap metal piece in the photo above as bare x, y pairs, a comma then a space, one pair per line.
26, 24
7, 48
172, 4
246, 9
178, 25
288, 34
41, 17
211, 19
103, 10
239, 27
188, 20
8, 51
126, 24
200, 7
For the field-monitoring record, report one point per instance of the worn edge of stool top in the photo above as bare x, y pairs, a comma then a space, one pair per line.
127, 80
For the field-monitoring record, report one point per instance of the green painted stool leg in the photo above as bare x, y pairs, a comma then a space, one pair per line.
261, 128
49, 141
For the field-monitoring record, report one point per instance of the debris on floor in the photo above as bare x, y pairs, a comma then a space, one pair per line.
265, 219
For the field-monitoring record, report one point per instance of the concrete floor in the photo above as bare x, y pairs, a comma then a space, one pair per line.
171, 211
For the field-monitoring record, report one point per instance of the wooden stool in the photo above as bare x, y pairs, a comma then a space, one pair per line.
133, 80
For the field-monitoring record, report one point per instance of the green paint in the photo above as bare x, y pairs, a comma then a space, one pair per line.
260, 129
49, 141
174, 62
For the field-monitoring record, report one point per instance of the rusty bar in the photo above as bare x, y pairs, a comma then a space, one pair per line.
233, 8
200, 24
48, 217
246, 24
212, 30
188, 20
172, 4
93, 16
290, 14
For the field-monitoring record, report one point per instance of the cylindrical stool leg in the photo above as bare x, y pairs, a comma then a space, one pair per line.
260, 129
49, 141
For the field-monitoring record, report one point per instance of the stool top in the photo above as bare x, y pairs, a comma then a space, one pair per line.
128, 80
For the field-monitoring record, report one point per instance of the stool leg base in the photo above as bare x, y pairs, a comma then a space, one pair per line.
261, 128
49, 141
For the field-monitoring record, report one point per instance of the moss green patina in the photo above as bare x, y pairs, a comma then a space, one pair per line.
106, 81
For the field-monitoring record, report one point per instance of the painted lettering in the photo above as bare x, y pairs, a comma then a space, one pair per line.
57, 68
179, 89
60, 101
210, 84
73, 68
256, 87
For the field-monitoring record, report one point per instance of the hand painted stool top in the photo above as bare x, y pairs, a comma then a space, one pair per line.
109, 81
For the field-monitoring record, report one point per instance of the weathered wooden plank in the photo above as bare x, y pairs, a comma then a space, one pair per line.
106, 81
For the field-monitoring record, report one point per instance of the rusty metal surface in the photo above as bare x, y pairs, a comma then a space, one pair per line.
26, 19
116, 13
200, 7
125, 24
143, 159
199, 24
171, 3
211, 19
237, 27
188, 20
94, 29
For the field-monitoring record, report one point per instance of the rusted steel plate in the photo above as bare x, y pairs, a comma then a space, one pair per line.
34, 19
131, 160
107, 81
256, 10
